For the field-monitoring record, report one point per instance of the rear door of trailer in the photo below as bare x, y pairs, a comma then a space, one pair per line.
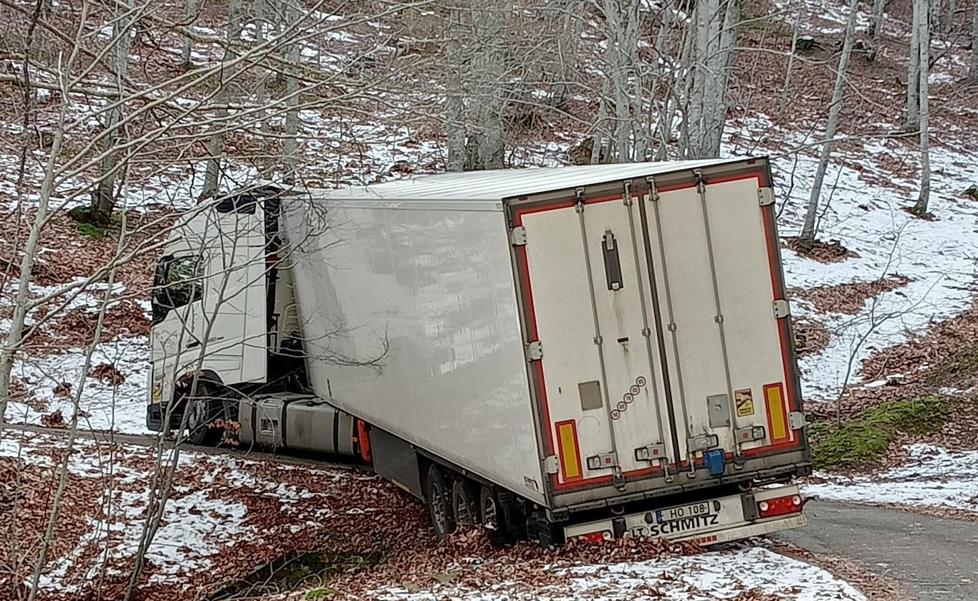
638, 377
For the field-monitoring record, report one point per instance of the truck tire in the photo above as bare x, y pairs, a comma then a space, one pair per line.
492, 517
541, 530
465, 502
202, 409
438, 494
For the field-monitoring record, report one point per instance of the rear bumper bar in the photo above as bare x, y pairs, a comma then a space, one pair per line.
733, 517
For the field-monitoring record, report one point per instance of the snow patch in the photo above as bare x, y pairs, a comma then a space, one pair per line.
121, 408
717, 575
871, 220
934, 477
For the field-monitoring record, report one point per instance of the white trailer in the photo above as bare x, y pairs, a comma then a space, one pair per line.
586, 351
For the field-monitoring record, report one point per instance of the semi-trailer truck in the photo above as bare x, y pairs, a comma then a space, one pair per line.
594, 351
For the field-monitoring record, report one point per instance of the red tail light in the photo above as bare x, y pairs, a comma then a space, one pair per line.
596, 537
779, 506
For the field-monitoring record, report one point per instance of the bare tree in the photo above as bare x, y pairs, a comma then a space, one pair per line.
973, 70
192, 7
485, 146
912, 122
454, 89
103, 198
715, 28
921, 11
291, 143
807, 237
783, 103
879, 15
215, 146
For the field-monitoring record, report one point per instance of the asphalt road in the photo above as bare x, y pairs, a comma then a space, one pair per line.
935, 559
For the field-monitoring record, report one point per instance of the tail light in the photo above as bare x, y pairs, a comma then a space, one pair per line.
596, 537
779, 506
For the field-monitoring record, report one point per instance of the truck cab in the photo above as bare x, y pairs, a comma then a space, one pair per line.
223, 318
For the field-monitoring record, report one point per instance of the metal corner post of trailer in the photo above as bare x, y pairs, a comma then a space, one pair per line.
585, 351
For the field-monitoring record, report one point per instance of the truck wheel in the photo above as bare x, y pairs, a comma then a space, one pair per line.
202, 409
543, 531
438, 494
492, 516
465, 503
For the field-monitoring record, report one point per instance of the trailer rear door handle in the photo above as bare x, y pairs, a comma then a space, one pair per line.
612, 263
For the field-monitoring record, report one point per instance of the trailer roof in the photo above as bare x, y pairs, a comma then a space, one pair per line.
499, 184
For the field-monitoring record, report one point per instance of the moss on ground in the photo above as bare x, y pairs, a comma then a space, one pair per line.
863, 440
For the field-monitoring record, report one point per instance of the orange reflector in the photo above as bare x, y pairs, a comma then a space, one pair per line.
570, 458
777, 413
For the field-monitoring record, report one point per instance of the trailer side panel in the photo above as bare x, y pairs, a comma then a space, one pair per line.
411, 323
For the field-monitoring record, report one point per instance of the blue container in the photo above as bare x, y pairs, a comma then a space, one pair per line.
715, 461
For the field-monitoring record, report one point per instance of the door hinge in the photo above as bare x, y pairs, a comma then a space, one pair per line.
796, 420
517, 236
550, 465
765, 196
534, 350
627, 194
781, 309
653, 191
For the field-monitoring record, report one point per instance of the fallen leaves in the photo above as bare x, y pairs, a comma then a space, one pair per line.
849, 298
823, 252
107, 373
811, 336
54, 419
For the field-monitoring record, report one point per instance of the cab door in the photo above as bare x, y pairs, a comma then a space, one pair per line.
233, 311
209, 300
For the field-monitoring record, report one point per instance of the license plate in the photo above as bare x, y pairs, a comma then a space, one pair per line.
682, 512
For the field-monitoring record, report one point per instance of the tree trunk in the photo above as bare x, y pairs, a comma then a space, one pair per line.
921, 9
950, 19
913, 78
455, 122
103, 199
726, 63
879, 6
654, 116
616, 72
807, 237
188, 44
261, 19
215, 144
705, 99
486, 145
973, 72
22, 298
783, 103
568, 49
290, 145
